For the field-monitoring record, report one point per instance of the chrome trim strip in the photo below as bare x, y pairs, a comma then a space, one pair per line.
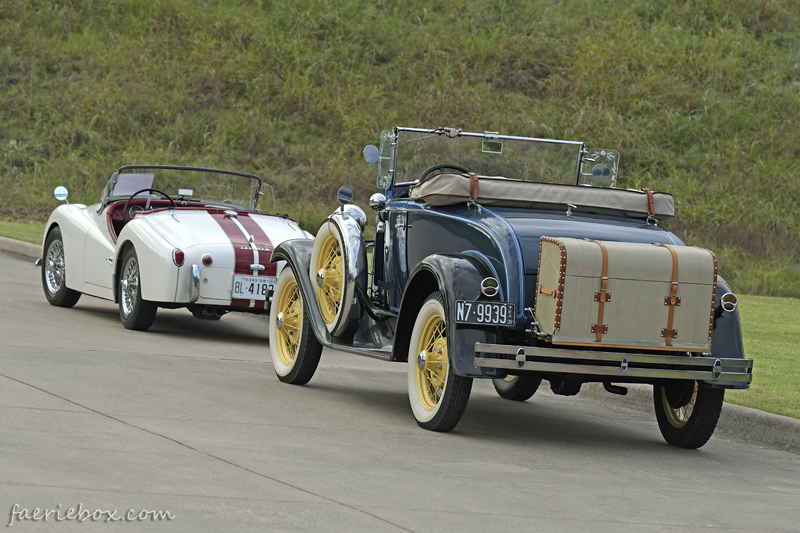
195, 288
653, 373
704, 368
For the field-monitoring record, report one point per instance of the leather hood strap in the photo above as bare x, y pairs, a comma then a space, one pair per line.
651, 202
473, 186
672, 300
603, 296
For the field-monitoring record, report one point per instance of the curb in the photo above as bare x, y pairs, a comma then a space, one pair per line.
21, 249
735, 421
743, 423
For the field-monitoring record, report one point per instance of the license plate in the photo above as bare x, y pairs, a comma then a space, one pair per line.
253, 287
485, 313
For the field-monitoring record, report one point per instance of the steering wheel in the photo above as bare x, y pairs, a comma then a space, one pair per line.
125, 216
440, 167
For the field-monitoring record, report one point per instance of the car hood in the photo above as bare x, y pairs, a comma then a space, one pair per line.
529, 229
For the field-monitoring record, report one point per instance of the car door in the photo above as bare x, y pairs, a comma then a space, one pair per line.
396, 263
98, 252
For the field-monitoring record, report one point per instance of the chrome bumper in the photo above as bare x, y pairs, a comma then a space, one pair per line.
195, 289
612, 364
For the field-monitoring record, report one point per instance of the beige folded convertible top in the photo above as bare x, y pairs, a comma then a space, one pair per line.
450, 189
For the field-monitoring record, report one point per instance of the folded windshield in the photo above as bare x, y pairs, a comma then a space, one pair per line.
225, 188
519, 158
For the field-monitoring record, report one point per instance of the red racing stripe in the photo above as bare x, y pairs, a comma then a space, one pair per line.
241, 248
265, 249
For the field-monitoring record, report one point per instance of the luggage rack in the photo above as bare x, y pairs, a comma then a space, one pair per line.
613, 364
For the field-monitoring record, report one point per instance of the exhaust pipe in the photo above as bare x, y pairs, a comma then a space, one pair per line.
727, 304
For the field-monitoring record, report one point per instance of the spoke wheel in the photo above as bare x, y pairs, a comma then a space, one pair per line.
135, 312
54, 272
437, 395
517, 388
294, 349
689, 425
330, 279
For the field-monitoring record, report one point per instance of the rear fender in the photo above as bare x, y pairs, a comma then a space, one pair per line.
726, 338
158, 274
457, 277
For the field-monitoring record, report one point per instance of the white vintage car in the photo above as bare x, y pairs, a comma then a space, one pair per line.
167, 236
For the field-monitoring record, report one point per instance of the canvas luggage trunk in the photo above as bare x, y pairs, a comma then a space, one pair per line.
626, 295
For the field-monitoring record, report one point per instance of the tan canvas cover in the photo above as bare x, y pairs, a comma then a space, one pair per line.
449, 189
636, 311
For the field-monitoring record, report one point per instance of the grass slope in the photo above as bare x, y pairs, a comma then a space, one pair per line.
771, 330
701, 98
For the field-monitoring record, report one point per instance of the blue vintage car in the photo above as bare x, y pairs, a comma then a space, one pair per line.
453, 283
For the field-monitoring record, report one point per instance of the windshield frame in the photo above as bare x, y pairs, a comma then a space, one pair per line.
106, 197
488, 136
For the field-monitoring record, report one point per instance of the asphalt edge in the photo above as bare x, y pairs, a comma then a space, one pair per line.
735, 421
24, 250
742, 423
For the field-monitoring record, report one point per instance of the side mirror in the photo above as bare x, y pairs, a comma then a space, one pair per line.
371, 153
345, 195
61, 193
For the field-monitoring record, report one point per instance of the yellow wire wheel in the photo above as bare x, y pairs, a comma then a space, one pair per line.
431, 367
294, 349
680, 416
329, 284
438, 397
290, 311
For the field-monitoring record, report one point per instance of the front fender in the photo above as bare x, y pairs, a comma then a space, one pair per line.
297, 254
726, 337
457, 277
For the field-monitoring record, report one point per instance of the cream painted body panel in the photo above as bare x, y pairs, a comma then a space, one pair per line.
74, 221
98, 247
88, 244
640, 277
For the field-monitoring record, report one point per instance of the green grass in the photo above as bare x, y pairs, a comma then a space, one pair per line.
771, 331
701, 98
22, 230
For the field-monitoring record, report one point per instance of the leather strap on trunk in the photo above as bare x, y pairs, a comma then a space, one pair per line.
603, 296
651, 202
473, 186
672, 300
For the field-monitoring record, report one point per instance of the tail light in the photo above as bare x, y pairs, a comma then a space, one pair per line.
207, 260
178, 257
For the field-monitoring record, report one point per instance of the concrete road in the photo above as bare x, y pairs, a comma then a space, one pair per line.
189, 418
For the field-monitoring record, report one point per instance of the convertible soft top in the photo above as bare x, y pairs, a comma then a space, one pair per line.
450, 189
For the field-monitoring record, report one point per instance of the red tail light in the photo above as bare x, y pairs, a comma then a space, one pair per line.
177, 257
207, 260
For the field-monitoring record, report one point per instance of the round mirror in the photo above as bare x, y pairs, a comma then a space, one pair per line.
345, 195
61, 193
601, 172
371, 153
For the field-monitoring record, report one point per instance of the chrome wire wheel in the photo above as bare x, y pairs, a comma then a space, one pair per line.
54, 267
129, 285
330, 279
431, 367
679, 417
289, 322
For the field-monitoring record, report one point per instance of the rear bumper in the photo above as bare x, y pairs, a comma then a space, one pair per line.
629, 367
